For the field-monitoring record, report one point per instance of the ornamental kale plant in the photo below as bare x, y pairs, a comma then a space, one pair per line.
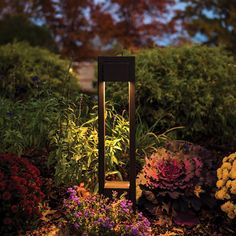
20, 191
167, 171
180, 176
96, 215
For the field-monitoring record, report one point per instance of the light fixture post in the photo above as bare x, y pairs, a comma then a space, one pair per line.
116, 69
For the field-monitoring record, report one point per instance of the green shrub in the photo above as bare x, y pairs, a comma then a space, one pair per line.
31, 71
193, 86
75, 147
69, 134
26, 125
67, 130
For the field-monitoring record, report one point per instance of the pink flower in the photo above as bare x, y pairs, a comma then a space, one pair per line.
1, 175
6, 196
14, 170
2, 186
14, 208
7, 221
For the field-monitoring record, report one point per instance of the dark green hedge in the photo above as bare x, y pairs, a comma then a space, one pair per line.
193, 86
31, 71
18, 28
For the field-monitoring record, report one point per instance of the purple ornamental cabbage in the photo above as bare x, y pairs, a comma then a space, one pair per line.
166, 170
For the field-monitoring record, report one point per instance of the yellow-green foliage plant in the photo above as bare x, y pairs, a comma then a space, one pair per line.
226, 185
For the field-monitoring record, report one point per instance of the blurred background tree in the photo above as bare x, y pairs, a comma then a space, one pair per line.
20, 28
83, 29
135, 23
211, 21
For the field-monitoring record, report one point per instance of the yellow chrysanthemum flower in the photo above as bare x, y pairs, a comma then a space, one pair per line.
225, 159
227, 166
227, 185
227, 206
234, 164
232, 157
220, 183
233, 187
233, 190
231, 215
221, 194
232, 174
225, 174
219, 173
233, 183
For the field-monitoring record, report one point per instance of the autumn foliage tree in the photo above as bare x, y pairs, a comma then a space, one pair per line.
213, 20
84, 28
134, 23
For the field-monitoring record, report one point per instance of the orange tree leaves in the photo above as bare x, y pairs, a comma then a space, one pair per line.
84, 28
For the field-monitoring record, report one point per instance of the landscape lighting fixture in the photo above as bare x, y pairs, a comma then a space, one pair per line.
116, 69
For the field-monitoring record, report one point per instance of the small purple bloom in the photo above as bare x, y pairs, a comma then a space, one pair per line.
100, 220
186, 147
86, 213
126, 206
96, 213
35, 79
71, 190
74, 198
134, 231
20, 89
10, 114
77, 226
78, 214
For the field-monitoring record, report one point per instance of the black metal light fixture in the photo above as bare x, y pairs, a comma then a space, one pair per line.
116, 69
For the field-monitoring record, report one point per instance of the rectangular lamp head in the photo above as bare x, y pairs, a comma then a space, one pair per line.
117, 69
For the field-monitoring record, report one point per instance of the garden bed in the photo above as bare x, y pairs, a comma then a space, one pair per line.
49, 145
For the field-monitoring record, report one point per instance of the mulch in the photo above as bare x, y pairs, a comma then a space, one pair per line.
212, 223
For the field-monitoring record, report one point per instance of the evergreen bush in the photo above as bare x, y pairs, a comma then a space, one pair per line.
193, 86
27, 71
18, 28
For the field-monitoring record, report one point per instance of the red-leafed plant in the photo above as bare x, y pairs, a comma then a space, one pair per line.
168, 171
20, 193
179, 176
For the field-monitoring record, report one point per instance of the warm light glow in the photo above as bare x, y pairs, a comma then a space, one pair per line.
116, 69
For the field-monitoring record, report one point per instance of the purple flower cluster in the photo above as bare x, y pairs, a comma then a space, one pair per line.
95, 214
